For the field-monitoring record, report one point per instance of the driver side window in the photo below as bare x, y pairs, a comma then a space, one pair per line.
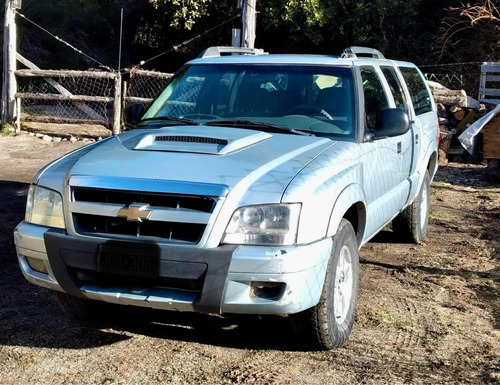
375, 97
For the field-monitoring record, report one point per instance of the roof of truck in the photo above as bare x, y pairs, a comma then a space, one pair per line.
276, 59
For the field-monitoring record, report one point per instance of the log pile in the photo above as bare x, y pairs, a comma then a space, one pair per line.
456, 112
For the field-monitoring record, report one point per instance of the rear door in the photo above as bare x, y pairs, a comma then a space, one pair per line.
410, 143
386, 161
424, 127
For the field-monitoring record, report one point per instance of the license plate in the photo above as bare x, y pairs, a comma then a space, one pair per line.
132, 264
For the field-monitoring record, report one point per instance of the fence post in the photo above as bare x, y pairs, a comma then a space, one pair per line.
18, 115
117, 105
9, 86
124, 98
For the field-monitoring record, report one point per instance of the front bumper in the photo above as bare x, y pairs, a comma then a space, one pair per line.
227, 275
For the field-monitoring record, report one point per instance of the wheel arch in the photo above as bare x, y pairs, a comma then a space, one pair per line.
349, 205
432, 164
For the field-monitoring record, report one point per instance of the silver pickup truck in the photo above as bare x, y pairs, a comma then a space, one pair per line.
248, 186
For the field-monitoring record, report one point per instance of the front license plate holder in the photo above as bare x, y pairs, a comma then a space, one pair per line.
134, 262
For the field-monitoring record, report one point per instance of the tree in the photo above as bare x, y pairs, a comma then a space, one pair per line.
470, 32
186, 12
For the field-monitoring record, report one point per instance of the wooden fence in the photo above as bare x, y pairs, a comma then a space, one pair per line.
57, 96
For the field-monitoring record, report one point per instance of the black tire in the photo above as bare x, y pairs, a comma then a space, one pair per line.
79, 308
411, 224
321, 327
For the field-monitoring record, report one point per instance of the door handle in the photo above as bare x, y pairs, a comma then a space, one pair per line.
399, 147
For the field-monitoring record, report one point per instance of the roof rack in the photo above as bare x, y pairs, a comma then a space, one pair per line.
357, 52
226, 51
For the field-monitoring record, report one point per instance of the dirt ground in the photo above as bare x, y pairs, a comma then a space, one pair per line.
426, 314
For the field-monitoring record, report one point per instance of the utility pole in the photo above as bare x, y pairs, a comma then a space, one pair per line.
248, 22
9, 85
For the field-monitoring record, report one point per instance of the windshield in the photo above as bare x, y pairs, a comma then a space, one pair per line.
312, 99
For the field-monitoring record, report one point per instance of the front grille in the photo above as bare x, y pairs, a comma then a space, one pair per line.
95, 224
175, 227
198, 203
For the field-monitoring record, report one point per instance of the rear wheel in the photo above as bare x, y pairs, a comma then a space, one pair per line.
411, 224
328, 324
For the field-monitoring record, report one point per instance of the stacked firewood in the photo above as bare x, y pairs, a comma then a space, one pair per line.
456, 112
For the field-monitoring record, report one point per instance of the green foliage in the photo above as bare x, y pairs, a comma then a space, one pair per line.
303, 19
403, 29
7, 129
186, 11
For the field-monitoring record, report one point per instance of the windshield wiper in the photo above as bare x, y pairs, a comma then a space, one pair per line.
253, 124
171, 119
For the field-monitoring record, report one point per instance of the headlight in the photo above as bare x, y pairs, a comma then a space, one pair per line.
44, 207
264, 225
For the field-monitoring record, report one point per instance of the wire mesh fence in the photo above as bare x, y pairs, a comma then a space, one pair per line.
83, 96
66, 96
144, 86
451, 81
461, 77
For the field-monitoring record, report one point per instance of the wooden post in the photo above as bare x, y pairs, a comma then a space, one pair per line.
9, 86
18, 115
124, 101
248, 31
117, 105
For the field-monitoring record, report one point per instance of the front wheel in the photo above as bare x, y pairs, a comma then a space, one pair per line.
328, 324
411, 224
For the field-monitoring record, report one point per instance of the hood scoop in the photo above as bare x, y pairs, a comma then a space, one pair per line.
207, 140
191, 139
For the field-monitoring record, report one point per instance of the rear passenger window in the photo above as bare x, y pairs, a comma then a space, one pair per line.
375, 97
396, 87
420, 97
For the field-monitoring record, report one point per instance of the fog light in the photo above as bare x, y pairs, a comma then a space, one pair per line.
37, 265
267, 290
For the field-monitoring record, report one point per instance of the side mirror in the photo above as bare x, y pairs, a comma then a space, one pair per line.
132, 115
391, 122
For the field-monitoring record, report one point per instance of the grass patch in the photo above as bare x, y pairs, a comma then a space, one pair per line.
7, 129
439, 215
382, 317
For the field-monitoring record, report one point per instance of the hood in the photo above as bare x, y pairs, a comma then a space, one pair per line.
201, 140
254, 162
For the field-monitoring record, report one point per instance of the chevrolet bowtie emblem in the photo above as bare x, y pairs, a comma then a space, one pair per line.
136, 212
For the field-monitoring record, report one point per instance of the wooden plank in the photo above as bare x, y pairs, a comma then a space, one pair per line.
492, 78
489, 91
491, 154
491, 138
152, 74
117, 106
9, 85
134, 99
73, 98
490, 101
66, 74
55, 119
490, 67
